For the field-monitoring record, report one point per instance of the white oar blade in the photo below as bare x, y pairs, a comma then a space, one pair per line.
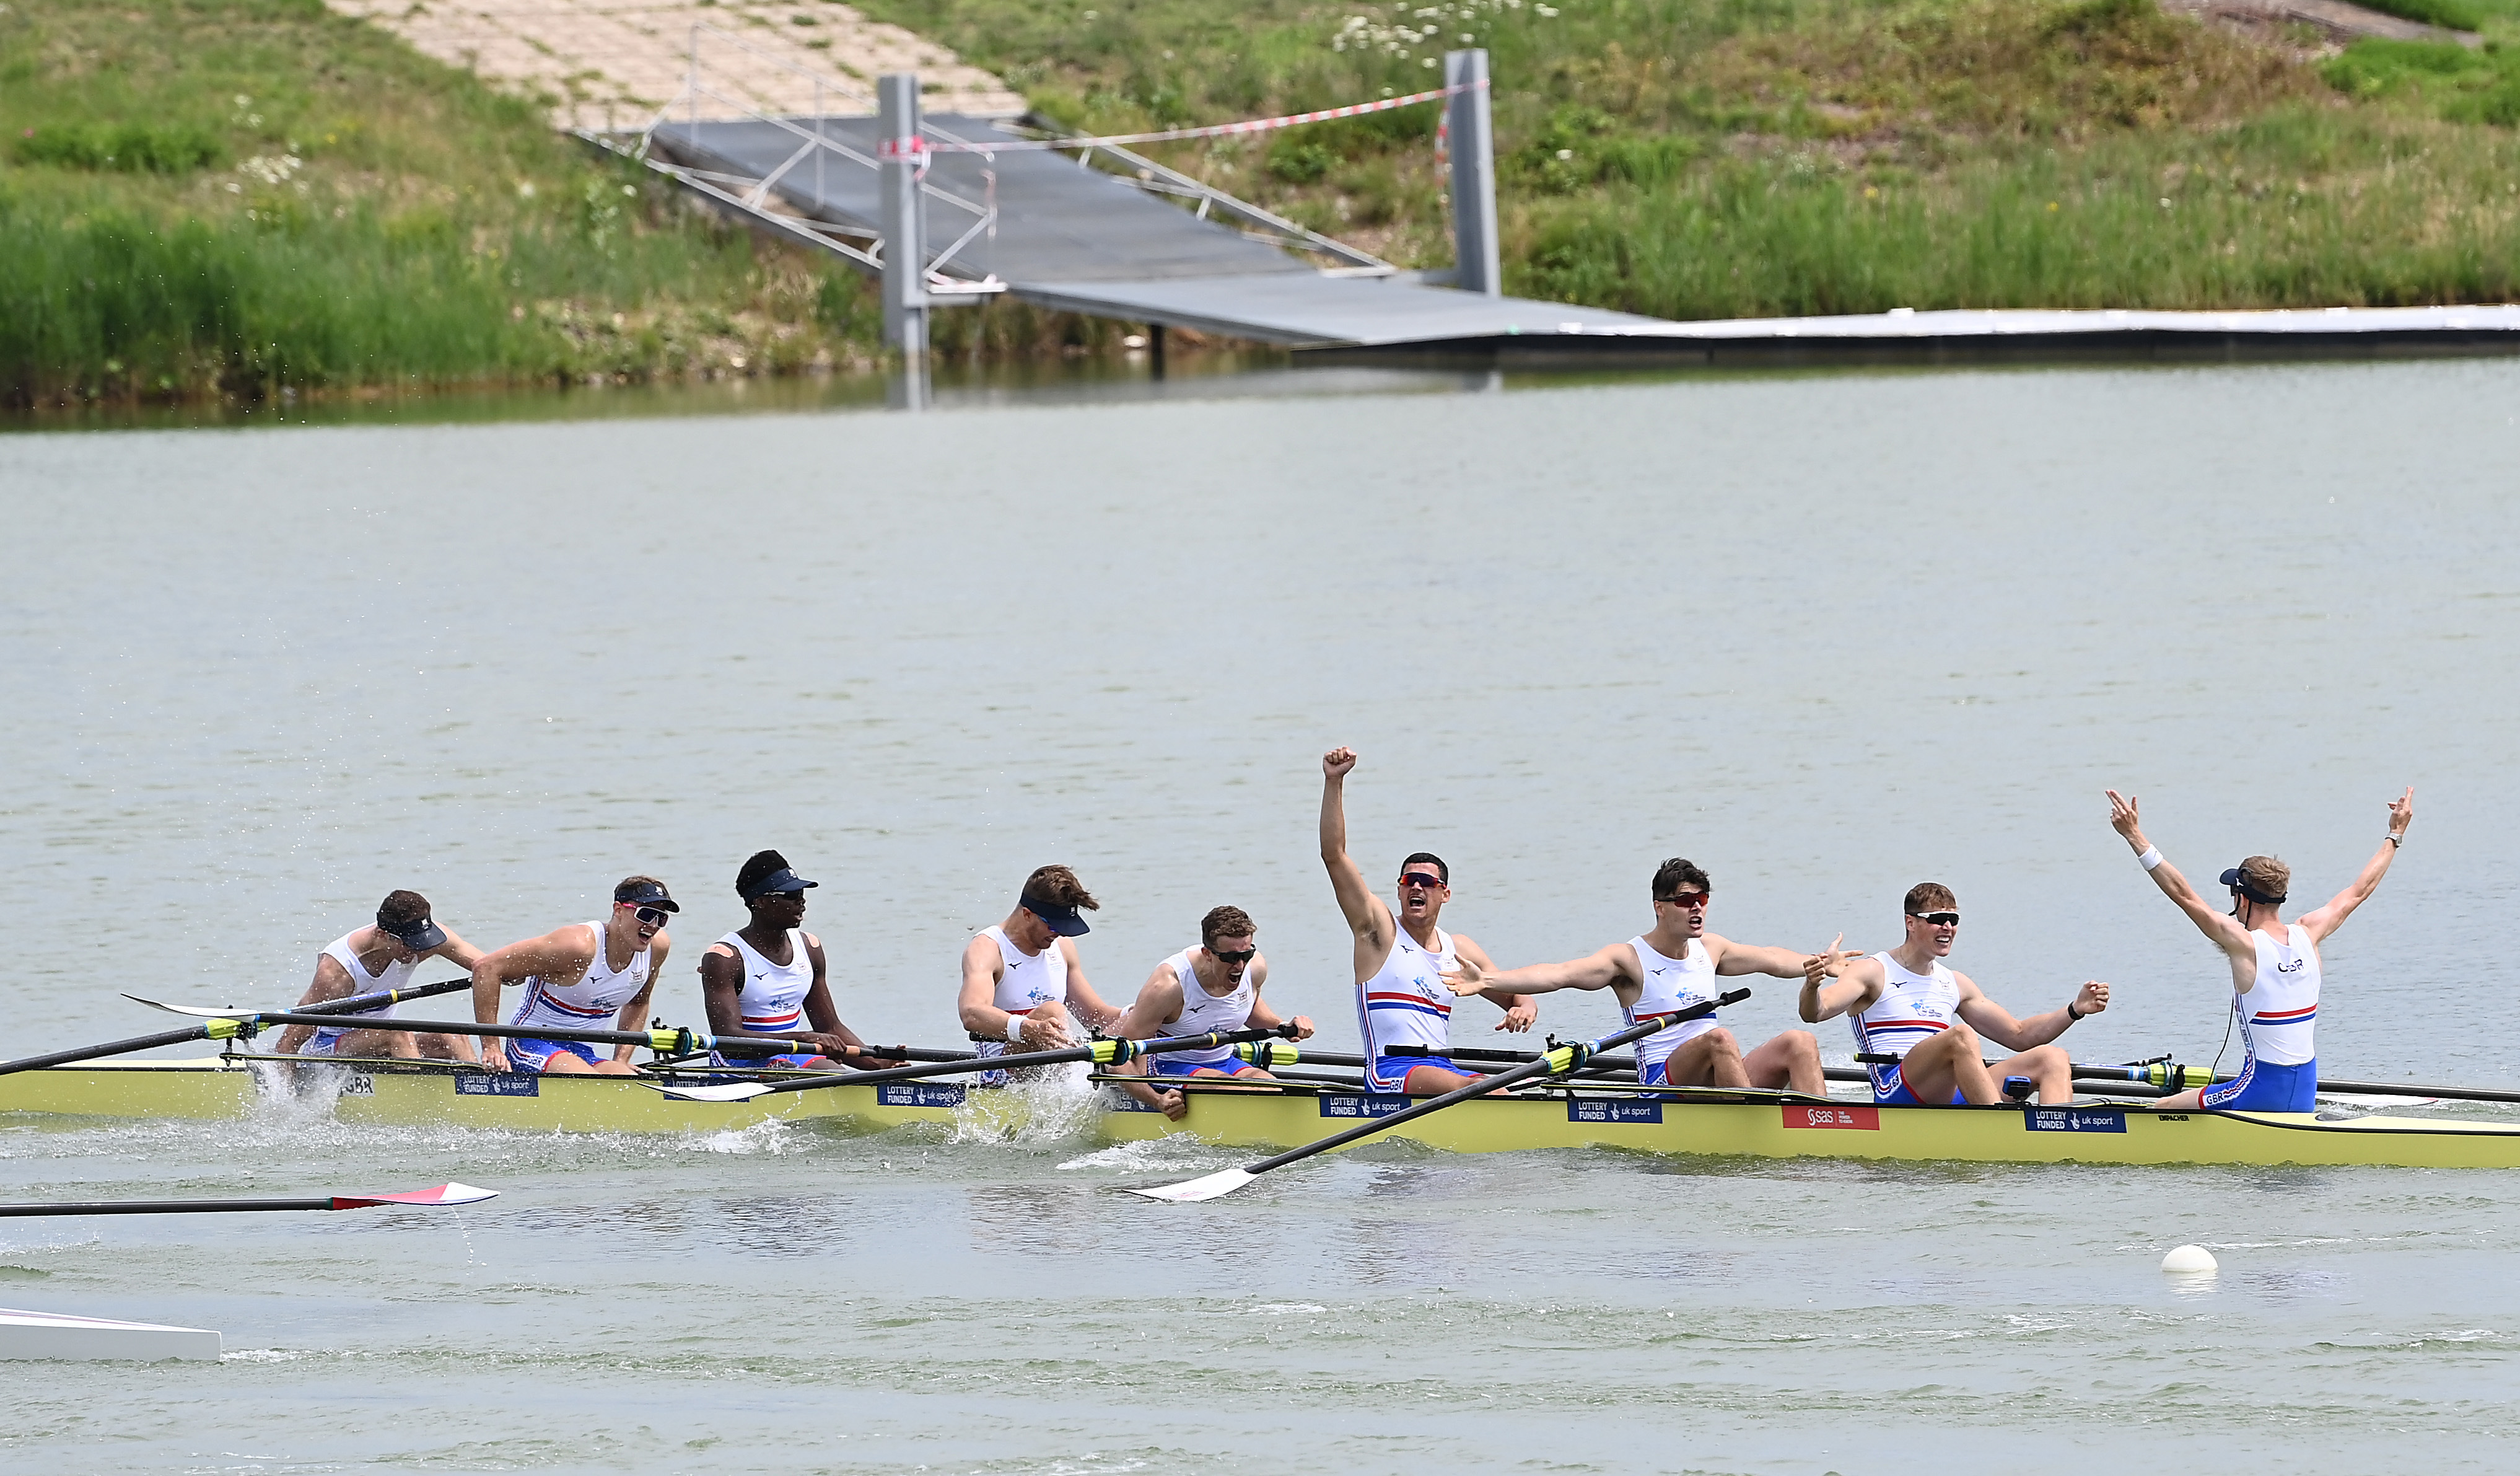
713, 1091
443, 1194
1195, 1190
188, 1010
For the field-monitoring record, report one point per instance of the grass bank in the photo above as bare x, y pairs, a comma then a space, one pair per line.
242, 198
1719, 158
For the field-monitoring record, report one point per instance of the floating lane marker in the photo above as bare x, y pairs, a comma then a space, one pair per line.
2189, 1261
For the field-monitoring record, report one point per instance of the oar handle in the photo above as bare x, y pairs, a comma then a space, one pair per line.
666, 1042
1558, 1061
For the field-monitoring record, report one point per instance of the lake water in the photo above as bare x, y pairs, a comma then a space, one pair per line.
1828, 636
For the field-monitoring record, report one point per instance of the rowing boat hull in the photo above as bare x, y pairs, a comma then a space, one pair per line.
1713, 1124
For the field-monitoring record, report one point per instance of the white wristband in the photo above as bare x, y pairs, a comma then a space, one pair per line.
2150, 858
1014, 1030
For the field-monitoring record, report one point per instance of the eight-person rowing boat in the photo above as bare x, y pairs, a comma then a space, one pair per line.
1199, 1051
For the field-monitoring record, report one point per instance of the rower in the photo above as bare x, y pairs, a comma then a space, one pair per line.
1906, 1003
1023, 979
768, 977
1209, 989
371, 961
1401, 999
2275, 964
1669, 967
579, 977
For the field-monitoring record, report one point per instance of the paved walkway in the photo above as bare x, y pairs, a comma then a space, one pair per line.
612, 64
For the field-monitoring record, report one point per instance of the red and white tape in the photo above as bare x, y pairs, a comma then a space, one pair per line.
1213, 130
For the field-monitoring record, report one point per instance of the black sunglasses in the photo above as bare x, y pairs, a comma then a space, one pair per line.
1689, 898
1228, 956
1938, 919
796, 896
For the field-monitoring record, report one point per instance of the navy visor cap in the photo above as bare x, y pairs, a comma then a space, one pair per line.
1059, 917
646, 894
780, 880
419, 937
2231, 878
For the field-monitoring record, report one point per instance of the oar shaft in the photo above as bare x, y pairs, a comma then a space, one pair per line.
160, 1207
382, 997
2409, 1089
117, 1047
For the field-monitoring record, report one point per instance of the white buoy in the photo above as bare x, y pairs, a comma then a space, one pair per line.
2189, 1260
63, 1335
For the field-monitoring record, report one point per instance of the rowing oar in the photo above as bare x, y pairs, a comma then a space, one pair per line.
732, 1045
443, 1194
664, 1041
227, 1024
1557, 1062
1101, 1052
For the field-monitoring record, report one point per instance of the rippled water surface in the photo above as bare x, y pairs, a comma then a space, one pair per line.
1826, 635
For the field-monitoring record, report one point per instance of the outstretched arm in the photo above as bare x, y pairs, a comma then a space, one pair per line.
2325, 920
2223, 928
1356, 899
1751, 958
1594, 971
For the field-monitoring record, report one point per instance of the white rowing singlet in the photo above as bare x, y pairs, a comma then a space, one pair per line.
772, 1000
1406, 1002
1029, 979
593, 1001
1671, 984
394, 976
1912, 1008
1204, 1013
2281, 1008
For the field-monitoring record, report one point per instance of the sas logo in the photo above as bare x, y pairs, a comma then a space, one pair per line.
1858, 1119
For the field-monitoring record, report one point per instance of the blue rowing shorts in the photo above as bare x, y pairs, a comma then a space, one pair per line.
1171, 1066
1899, 1095
2263, 1086
1390, 1074
535, 1055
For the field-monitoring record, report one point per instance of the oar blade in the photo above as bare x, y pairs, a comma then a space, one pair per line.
1198, 1190
188, 1010
443, 1194
711, 1092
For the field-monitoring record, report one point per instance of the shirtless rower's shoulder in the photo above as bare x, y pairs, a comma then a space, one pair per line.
373, 959
1674, 966
1023, 982
1401, 956
770, 977
1211, 989
1907, 1003
584, 976
2275, 968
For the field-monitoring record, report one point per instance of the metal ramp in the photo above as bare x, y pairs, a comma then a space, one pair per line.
1100, 230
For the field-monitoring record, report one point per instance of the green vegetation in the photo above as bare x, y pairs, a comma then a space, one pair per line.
2456, 14
1720, 157
240, 197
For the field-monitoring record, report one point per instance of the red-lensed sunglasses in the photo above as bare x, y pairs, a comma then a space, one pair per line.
1427, 879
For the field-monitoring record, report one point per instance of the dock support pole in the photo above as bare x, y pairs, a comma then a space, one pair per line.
1466, 125
900, 155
